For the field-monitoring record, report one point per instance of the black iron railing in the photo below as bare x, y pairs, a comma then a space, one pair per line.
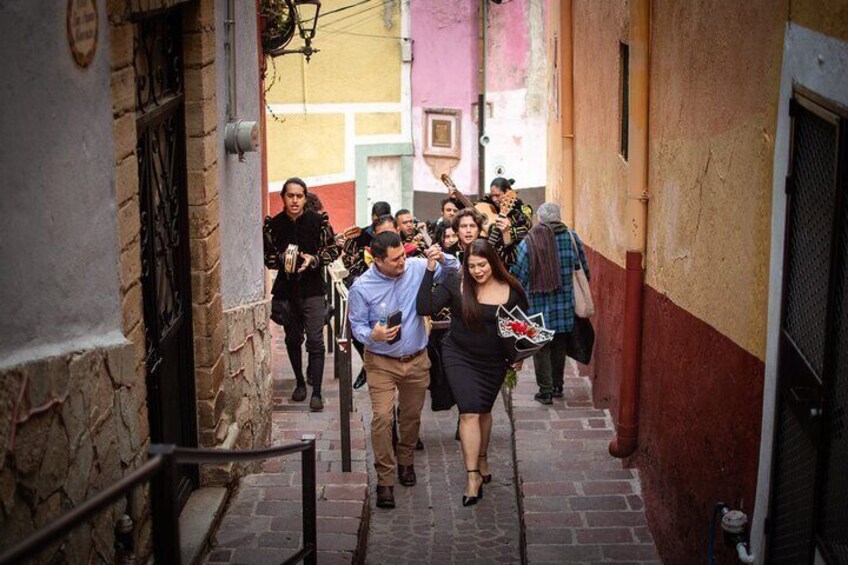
160, 471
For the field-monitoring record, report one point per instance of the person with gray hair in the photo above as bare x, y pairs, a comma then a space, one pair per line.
544, 265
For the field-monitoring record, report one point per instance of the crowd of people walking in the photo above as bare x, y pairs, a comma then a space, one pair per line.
425, 305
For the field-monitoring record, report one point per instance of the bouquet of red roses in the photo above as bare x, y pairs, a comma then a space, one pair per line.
523, 335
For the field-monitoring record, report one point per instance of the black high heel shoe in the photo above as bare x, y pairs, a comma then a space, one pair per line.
486, 478
472, 500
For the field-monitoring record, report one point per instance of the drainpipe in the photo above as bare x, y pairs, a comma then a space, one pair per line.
567, 108
627, 430
481, 102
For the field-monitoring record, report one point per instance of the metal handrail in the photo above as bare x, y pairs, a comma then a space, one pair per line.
160, 469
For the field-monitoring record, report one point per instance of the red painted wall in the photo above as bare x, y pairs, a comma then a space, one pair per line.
338, 200
700, 409
608, 294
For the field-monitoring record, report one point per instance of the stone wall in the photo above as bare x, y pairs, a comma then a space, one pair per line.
70, 427
245, 391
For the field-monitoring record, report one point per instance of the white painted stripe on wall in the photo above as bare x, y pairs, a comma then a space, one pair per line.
320, 180
333, 108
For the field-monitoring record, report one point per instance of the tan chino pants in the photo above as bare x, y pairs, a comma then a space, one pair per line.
410, 379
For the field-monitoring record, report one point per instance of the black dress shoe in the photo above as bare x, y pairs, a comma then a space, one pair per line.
385, 497
544, 398
557, 393
406, 475
299, 394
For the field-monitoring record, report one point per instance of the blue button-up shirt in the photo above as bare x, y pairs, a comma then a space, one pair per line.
374, 288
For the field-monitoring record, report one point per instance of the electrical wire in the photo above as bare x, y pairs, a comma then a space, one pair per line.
359, 13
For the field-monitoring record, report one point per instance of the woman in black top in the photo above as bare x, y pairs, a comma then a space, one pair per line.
474, 358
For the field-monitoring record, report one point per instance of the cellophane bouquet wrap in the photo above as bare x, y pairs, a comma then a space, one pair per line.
523, 335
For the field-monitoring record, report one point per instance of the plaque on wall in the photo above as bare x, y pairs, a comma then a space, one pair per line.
82, 30
441, 132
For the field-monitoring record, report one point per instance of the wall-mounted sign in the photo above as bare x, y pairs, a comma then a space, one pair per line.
441, 132
82, 30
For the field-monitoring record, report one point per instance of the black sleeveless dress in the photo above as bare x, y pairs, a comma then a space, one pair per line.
474, 360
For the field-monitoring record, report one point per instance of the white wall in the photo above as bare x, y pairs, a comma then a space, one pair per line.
58, 234
239, 184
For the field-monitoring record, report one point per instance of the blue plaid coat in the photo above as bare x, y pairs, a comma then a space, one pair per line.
557, 306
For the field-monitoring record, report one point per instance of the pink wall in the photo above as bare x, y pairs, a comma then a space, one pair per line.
444, 75
509, 46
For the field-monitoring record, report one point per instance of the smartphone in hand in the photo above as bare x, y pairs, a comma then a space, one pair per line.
395, 319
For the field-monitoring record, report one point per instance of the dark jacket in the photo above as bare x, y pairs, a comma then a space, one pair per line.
313, 236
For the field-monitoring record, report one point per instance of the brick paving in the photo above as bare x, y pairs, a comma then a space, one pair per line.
575, 503
579, 504
262, 521
429, 524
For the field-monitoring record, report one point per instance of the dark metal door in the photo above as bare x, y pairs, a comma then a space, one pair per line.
810, 465
165, 260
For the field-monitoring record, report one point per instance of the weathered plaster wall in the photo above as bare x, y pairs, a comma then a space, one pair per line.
444, 75
239, 184
829, 17
712, 142
600, 173
59, 236
517, 90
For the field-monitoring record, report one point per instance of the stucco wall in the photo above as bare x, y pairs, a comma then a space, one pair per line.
58, 237
829, 17
712, 142
444, 75
600, 173
353, 65
239, 184
517, 90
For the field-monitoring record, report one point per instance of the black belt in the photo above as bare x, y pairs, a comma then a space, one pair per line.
402, 358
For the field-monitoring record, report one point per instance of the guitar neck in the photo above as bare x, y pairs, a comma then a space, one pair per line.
464, 200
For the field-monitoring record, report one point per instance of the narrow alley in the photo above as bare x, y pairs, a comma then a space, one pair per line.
574, 502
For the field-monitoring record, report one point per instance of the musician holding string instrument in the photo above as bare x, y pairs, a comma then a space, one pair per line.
505, 221
297, 242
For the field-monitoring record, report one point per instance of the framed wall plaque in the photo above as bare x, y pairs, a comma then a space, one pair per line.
83, 27
441, 133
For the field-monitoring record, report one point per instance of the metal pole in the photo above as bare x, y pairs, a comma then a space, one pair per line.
310, 507
345, 401
481, 108
166, 515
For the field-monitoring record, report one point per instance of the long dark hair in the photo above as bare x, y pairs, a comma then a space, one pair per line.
472, 312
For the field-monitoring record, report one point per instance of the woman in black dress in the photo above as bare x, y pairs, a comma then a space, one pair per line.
474, 358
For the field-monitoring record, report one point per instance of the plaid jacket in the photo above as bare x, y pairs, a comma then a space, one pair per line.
557, 306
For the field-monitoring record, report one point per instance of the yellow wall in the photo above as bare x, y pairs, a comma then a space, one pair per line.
349, 68
715, 71
829, 17
378, 123
305, 145
359, 62
711, 146
600, 174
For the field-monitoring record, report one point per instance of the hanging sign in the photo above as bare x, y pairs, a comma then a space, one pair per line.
82, 30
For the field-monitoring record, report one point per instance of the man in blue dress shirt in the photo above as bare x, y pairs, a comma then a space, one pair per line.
390, 286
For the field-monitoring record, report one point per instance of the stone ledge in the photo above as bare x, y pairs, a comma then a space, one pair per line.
197, 520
